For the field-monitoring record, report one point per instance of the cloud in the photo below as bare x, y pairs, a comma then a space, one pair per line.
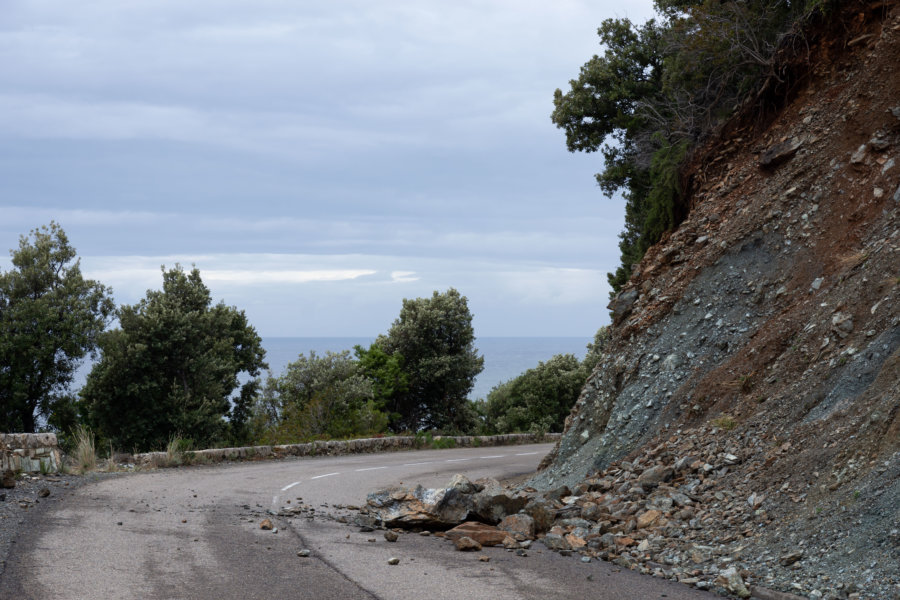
245, 277
404, 277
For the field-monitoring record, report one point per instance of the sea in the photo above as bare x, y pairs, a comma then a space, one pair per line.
504, 357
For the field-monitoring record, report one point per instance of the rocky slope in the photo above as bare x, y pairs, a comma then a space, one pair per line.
756, 350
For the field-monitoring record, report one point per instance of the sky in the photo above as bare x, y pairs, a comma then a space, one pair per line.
317, 161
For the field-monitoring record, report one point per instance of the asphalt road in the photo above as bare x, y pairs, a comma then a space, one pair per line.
193, 533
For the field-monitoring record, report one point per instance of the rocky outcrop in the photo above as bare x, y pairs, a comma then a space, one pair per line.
766, 328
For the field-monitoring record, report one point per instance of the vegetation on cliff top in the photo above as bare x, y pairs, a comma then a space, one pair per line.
657, 90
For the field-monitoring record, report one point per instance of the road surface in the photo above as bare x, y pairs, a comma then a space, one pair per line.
193, 533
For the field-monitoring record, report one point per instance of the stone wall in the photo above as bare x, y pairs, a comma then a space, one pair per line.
29, 452
361, 446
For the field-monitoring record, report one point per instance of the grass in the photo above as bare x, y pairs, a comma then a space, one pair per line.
726, 422
85, 453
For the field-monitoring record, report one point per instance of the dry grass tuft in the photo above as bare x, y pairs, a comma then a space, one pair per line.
85, 450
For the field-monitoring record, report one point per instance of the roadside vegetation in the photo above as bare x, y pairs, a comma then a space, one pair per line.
659, 88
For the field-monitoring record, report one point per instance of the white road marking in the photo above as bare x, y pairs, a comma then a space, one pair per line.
289, 486
416, 464
325, 475
457, 459
526, 453
370, 469
495, 456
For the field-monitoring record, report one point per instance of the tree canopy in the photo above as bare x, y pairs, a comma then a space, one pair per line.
435, 338
50, 318
316, 396
172, 366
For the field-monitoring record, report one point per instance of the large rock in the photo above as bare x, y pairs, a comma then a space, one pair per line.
732, 581
420, 507
518, 524
486, 535
485, 500
542, 512
655, 475
493, 502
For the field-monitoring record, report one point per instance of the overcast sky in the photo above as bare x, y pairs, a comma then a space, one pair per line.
317, 161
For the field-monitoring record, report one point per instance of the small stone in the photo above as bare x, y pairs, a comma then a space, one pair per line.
842, 324
8, 480
266, 524
484, 558
44, 492
791, 558
303, 553
817, 283
859, 156
391, 536
648, 518
393, 561
732, 581
779, 153
467, 544
585, 559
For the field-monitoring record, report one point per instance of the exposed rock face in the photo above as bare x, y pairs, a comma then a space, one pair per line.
757, 347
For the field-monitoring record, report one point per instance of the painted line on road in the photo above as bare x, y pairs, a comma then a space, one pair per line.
428, 462
289, 486
526, 453
457, 459
325, 475
494, 456
370, 469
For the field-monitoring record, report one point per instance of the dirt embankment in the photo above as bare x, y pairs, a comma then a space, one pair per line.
767, 328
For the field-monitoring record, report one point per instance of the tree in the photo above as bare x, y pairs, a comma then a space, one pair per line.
172, 366
539, 399
50, 318
656, 91
318, 395
437, 342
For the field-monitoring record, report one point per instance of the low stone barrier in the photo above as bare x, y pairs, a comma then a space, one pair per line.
334, 447
29, 452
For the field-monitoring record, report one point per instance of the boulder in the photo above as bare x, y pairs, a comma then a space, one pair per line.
542, 512
520, 523
492, 503
486, 535
421, 507
655, 475
555, 541
733, 583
